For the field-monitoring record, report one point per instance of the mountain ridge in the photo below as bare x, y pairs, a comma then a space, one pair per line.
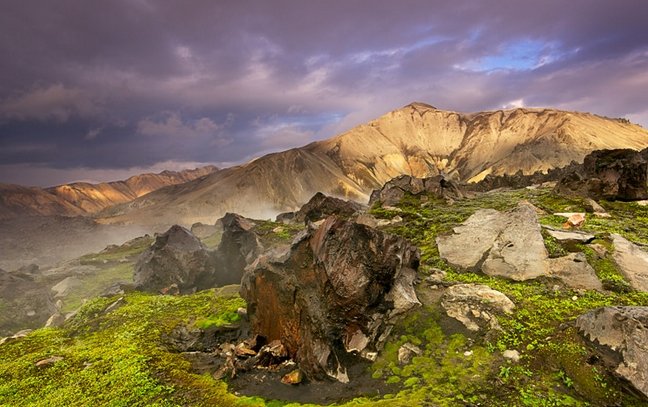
418, 140
83, 198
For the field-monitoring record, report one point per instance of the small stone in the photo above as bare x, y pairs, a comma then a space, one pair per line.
468, 353
574, 298
294, 377
511, 355
49, 361
406, 352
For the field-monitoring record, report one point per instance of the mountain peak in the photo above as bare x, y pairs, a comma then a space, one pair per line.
420, 105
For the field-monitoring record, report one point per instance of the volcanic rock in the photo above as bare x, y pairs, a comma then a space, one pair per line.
336, 293
476, 306
574, 271
620, 174
570, 237
238, 248
632, 262
176, 257
620, 336
395, 190
504, 244
321, 206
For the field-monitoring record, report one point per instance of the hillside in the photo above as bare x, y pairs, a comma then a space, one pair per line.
417, 139
81, 198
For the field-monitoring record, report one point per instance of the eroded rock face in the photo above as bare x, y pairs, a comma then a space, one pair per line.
611, 174
476, 306
321, 206
394, 190
176, 257
621, 334
338, 291
632, 261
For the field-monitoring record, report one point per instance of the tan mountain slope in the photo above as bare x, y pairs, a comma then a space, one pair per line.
417, 139
81, 198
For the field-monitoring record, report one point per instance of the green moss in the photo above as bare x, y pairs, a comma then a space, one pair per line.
114, 358
92, 285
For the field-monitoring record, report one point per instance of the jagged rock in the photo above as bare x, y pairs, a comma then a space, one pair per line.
574, 271
570, 237
339, 290
610, 174
238, 248
285, 217
436, 276
505, 244
372, 222
632, 262
176, 257
592, 206
620, 336
17, 335
26, 302
395, 190
476, 306
321, 206
406, 352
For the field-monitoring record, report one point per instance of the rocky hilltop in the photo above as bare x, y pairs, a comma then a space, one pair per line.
417, 140
82, 198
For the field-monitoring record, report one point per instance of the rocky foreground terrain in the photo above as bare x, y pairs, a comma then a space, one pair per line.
433, 295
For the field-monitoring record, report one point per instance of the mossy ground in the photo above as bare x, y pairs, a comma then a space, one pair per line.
118, 358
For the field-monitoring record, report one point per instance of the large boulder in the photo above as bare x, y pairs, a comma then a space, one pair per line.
338, 291
510, 245
177, 257
321, 206
396, 189
238, 248
620, 174
476, 306
505, 244
25, 302
632, 262
620, 336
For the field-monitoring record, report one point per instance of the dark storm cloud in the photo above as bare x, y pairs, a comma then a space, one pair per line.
108, 87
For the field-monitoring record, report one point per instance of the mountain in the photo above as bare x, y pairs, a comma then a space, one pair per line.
81, 198
417, 139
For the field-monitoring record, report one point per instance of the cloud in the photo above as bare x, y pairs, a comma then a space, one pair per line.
152, 81
172, 125
55, 102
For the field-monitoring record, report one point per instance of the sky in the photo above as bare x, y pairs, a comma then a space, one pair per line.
100, 90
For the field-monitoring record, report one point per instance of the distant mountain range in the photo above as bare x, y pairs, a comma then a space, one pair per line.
81, 198
417, 139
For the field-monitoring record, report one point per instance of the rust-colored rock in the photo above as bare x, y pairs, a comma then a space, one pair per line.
338, 291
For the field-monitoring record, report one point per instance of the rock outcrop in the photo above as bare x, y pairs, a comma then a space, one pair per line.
239, 247
321, 206
510, 245
176, 257
476, 306
395, 189
632, 262
620, 336
336, 293
620, 174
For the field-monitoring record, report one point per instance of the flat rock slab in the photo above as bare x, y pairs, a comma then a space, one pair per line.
632, 262
574, 271
570, 236
507, 244
621, 336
